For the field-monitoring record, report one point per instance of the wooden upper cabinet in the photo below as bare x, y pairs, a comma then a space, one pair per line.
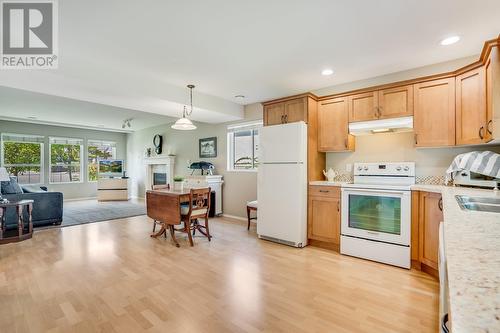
434, 113
286, 112
333, 125
274, 114
471, 107
363, 106
395, 102
492, 73
296, 110
430, 215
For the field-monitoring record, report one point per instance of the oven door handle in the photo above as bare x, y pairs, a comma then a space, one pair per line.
351, 190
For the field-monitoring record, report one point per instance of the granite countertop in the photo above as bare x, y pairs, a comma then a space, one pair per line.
472, 241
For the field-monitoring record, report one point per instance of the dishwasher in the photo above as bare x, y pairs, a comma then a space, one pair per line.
443, 284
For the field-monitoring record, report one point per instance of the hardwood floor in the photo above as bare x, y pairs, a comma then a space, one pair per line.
112, 277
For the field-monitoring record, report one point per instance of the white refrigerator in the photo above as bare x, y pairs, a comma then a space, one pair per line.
282, 184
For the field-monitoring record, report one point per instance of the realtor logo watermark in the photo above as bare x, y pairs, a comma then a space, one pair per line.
29, 34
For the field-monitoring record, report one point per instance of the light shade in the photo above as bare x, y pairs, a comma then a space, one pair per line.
183, 124
4, 175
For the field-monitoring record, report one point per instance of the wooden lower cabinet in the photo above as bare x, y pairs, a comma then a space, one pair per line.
427, 214
324, 216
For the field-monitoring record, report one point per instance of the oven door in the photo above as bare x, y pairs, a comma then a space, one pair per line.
380, 215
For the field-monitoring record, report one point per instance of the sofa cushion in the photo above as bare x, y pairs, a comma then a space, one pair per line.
32, 189
11, 187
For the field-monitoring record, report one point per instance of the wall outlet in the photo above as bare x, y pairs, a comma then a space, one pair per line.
348, 167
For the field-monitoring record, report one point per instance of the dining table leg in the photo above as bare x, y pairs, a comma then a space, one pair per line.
160, 232
172, 233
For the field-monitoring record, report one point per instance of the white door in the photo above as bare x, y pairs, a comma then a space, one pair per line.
382, 215
282, 197
283, 143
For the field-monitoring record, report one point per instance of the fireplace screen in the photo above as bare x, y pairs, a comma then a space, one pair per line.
159, 178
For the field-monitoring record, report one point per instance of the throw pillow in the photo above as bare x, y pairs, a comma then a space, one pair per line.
11, 187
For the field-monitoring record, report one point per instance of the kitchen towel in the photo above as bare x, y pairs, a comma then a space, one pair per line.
482, 162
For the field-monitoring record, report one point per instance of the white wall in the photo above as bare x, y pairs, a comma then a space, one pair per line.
239, 187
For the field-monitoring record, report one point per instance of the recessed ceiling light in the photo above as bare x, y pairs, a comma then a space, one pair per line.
239, 96
450, 40
326, 72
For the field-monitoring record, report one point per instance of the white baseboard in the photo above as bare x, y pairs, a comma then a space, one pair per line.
235, 217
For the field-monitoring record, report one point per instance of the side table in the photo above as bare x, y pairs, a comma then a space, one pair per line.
21, 234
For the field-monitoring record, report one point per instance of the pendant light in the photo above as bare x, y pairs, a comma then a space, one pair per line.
184, 124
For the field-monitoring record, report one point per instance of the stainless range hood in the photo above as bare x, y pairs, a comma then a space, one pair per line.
403, 124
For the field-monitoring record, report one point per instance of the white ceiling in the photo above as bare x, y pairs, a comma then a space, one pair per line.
141, 54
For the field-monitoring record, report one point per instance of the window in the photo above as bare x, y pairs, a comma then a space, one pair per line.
22, 155
98, 150
243, 146
65, 160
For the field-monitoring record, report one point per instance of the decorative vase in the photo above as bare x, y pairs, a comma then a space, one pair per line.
178, 186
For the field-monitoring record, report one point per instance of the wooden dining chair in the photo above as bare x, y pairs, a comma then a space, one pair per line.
199, 207
159, 187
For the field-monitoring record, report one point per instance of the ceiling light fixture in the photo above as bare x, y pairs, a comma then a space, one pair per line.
184, 124
126, 123
450, 40
326, 72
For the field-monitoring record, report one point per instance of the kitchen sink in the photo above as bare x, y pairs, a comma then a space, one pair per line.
479, 203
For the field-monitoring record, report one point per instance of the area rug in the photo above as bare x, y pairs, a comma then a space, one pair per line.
90, 211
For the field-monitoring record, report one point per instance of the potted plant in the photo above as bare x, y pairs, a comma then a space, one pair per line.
178, 183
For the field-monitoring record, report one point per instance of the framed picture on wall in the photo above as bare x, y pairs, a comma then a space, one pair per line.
208, 147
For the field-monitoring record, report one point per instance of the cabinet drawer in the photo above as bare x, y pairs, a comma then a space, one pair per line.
324, 191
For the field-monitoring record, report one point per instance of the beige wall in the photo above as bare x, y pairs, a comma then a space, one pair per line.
399, 147
239, 187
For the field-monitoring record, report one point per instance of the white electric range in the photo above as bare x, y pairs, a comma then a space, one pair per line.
376, 213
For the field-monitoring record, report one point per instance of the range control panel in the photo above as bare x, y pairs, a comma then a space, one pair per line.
385, 169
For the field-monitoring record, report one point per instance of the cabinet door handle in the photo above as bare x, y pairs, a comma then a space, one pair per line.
338, 206
490, 122
440, 204
379, 111
345, 143
282, 118
376, 111
416, 137
324, 191
286, 119
481, 129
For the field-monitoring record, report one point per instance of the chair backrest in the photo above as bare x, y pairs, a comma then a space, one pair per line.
163, 207
160, 187
199, 203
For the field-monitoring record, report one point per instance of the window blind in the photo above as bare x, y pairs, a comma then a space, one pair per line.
244, 126
22, 138
65, 141
99, 143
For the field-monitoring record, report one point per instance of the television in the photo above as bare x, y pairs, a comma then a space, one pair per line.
110, 168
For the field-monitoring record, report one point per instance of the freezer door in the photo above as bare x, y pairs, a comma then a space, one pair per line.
282, 197
283, 143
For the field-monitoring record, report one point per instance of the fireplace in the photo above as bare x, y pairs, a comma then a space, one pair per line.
159, 171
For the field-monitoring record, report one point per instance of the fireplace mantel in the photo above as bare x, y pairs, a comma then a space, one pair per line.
151, 162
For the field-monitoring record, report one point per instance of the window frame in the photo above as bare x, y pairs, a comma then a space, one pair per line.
231, 129
42, 154
82, 145
90, 142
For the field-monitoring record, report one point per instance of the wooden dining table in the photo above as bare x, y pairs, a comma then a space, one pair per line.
164, 206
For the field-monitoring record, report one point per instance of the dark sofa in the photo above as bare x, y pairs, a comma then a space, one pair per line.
47, 206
